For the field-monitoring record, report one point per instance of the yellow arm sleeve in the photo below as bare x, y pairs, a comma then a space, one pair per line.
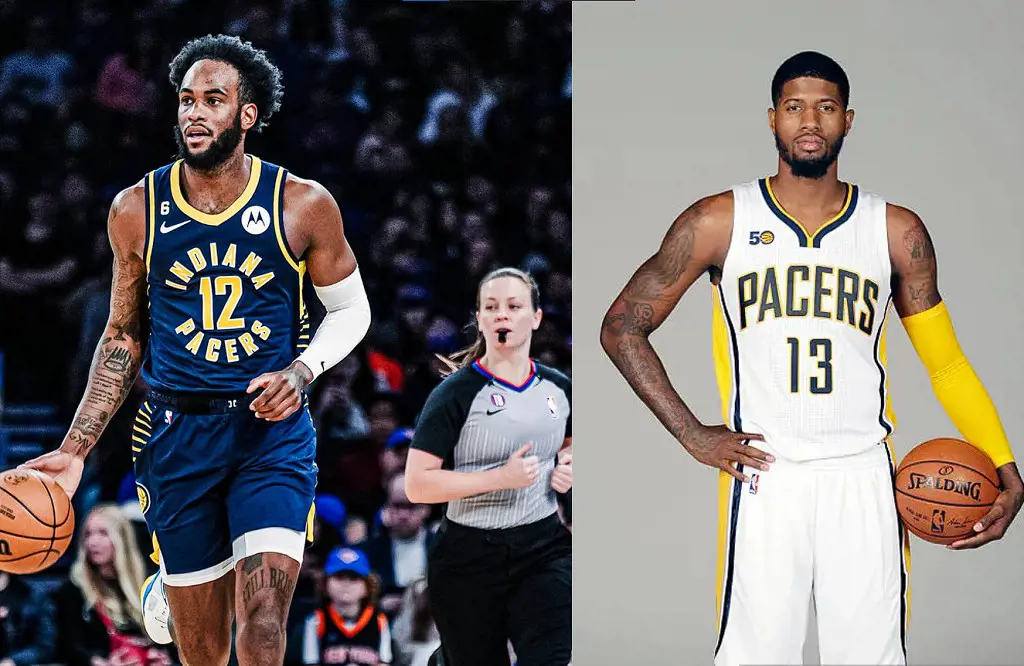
956, 385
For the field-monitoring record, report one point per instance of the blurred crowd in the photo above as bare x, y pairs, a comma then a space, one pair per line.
443, 131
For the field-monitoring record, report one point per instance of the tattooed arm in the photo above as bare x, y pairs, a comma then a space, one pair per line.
118, 355
696, 243
956, 385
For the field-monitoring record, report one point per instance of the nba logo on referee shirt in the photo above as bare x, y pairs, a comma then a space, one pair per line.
552, 407
753, 484
498, 400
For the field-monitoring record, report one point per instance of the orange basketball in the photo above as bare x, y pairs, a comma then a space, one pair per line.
36, 521
943, 487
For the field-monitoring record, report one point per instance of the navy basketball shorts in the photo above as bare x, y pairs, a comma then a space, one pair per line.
217, 484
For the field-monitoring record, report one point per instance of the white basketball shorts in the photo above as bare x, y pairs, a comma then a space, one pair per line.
825, 532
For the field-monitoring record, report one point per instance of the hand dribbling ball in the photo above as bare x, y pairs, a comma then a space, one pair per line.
36, 521
943, 488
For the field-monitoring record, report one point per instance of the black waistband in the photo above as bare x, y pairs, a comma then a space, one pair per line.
202, 403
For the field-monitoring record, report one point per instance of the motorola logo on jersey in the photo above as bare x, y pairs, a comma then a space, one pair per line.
219, 296
823, 292
970, 489
255, 220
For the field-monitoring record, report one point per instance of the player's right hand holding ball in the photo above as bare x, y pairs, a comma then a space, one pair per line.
63, 467
520, 470
717, 446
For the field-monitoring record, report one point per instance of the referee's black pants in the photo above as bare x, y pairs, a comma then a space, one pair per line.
487, 587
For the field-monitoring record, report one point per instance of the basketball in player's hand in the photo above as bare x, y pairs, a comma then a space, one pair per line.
36, 521
943, 488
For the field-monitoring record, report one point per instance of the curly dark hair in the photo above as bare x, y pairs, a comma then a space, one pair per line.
259, 80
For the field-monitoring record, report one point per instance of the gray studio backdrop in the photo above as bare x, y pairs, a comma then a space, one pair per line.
670, 104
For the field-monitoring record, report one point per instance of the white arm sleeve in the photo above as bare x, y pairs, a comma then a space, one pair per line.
344, 325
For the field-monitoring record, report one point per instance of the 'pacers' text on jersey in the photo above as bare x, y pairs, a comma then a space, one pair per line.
225, 291
800, 326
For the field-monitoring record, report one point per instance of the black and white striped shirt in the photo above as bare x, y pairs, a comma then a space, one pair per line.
475, 421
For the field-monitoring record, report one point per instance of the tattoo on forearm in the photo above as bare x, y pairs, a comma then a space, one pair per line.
270, 578
626, 328
117, 359
646, 375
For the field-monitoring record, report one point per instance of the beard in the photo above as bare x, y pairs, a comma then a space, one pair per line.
812, 167
218, 152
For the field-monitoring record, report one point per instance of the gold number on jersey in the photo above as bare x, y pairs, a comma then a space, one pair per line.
818, 348
229, 285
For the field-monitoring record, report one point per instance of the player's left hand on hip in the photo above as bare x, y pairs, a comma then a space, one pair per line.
994, 524
561, 478
282, 392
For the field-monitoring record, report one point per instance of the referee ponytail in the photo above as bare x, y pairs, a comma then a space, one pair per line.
468, 355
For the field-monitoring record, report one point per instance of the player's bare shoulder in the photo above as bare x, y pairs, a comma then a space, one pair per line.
701, 232
310, 210
126, 223
910, 244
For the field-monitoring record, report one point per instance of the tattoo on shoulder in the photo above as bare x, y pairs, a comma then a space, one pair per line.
919, 244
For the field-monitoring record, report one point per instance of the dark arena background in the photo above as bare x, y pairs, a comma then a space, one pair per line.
443, 132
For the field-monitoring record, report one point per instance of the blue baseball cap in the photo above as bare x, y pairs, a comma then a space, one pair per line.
399, 437
347, 559
331, 510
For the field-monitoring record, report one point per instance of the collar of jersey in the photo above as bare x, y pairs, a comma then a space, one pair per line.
509, 385
808, 239
214, 219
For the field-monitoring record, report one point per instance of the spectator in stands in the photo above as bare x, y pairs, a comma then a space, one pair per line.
27, 633
99, 611
349, 628
415, 634
398, 552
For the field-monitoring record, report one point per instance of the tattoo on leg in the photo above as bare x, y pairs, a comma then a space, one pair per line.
252, 563
272, 579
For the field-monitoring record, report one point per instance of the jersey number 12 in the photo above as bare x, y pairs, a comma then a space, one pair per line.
820, 349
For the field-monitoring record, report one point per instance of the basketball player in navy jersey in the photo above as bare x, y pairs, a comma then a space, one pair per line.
209, 257
804, 269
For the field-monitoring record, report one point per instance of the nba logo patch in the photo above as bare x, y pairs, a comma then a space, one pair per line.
168, 416
498, 400
753, 484
552, 407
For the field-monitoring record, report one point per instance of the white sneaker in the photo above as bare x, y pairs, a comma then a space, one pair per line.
156, 612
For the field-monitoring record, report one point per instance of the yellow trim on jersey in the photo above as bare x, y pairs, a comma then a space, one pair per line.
278, 223
309, 522
720, 349
823, 228
151, 223
214, 219
956, 385
155, 555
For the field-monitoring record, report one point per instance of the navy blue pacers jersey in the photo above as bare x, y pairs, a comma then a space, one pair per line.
225, 290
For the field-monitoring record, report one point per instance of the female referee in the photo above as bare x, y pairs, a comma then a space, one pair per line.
494, 442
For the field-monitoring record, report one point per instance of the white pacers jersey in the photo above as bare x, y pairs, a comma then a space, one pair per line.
800, 326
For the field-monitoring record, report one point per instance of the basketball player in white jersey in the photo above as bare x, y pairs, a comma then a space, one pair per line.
804, 269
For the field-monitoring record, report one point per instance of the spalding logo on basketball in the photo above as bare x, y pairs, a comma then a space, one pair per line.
943, 487
36, 521
255, 220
